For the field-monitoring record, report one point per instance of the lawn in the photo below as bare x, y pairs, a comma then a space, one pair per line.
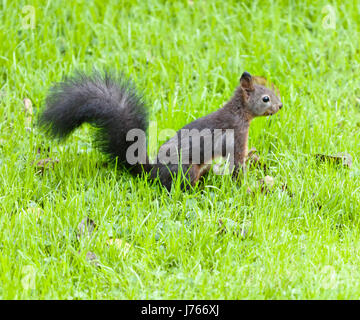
300, 240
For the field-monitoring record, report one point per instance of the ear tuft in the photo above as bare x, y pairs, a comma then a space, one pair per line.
246, 75
246, 81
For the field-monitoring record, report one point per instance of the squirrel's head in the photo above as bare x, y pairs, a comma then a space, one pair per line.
258, 100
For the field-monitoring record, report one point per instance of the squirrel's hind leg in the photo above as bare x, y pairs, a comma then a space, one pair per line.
191, 175
196, 171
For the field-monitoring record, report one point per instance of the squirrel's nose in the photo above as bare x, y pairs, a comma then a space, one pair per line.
280, 105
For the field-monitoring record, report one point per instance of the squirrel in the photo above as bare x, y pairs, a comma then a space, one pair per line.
113, 105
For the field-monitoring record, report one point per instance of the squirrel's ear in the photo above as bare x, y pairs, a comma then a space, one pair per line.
246, 81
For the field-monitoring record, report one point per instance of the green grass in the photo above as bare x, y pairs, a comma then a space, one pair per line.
187, 59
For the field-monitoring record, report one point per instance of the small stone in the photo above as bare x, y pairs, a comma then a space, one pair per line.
92, 258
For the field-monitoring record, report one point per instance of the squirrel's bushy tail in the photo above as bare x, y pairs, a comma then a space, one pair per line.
109, 103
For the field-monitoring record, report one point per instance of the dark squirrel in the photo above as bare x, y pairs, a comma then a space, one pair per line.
113, 105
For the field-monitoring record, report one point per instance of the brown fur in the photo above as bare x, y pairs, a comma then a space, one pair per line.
237, 114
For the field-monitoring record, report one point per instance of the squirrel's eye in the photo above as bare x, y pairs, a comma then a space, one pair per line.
266, 99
